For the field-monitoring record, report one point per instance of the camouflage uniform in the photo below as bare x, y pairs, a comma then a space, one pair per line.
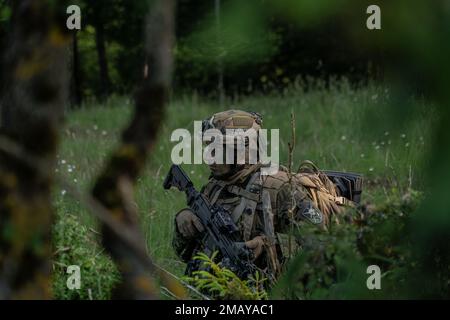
261, 205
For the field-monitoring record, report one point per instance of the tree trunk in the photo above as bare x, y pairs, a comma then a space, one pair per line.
220, 66
100, 43
75, 94
36, 72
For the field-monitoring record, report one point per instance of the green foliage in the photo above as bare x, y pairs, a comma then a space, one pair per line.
325, 260
76, 244
333, 265
5, 13
221, 283
241, 38
384, 230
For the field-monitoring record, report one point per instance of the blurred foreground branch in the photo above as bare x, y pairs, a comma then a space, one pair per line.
114, 187
32, 108
171, 283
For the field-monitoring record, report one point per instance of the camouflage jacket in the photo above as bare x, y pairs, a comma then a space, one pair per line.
260, 205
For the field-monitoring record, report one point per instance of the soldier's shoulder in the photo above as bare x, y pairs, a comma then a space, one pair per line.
277, 185
275, 181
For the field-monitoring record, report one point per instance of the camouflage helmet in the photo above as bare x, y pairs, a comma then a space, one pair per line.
233, 119
242, 122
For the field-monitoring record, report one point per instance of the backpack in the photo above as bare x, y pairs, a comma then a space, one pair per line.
330, 191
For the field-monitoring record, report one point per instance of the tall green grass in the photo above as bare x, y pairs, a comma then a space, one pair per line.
338, 127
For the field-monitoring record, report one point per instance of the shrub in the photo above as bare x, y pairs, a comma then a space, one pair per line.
221, 283
76, 244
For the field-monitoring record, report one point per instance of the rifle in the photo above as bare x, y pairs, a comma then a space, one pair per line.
221, 233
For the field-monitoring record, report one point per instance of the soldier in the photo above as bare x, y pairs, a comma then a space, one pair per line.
263, 206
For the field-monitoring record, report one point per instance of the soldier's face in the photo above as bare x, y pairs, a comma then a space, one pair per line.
220, 170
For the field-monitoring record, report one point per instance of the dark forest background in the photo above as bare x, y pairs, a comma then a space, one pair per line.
107, 54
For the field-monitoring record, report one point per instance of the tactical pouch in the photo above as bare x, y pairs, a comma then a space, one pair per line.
348, 183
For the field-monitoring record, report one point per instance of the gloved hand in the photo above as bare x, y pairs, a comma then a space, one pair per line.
188, 224
257, 245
